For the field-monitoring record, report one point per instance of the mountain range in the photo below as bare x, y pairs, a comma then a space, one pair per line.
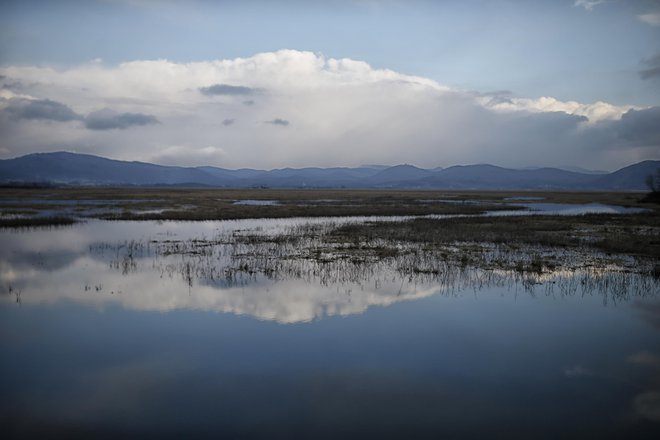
63, 168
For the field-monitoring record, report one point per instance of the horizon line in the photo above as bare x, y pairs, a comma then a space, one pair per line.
371, 165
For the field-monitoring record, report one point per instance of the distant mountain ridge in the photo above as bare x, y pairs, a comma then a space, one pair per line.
83, 169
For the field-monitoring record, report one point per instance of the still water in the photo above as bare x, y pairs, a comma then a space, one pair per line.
106, 331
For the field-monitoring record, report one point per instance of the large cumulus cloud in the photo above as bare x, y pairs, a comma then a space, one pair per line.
320, 112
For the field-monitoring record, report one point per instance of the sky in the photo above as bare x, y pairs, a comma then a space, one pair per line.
272, 84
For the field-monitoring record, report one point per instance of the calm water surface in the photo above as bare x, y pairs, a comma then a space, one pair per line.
102, 335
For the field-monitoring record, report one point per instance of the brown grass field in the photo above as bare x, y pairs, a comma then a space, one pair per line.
219, 204
617, 235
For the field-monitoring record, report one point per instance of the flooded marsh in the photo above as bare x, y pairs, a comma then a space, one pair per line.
541, 326
31, 206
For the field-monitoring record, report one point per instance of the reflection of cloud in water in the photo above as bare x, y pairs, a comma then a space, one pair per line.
646, 404
284, 301
649, 311
576, 371
307, 292
214, 266
48, 260
118, 390
645, 358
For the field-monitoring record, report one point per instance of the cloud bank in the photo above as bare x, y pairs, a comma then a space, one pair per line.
294, 108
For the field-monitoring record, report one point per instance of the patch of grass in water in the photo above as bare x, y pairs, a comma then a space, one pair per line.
629, 234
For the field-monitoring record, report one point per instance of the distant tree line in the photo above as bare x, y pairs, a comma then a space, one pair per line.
653, 181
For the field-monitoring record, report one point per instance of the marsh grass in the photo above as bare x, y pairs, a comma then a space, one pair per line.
219, 204
535, 253
532, 250
635, 234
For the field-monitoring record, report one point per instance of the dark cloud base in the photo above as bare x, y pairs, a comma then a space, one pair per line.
44, 109
226, 90
108, 119
278, 121
653, 67
47, 110
642, 127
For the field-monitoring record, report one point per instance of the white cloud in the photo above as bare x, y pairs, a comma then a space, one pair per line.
652, 18
151, 289
339, 112
595, 112
187, 155
588, 5
6, 95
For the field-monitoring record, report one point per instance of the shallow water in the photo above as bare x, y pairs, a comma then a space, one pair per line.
523, 198
132, 328
257, 202
567, 209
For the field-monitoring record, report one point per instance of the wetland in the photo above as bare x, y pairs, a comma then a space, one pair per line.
327, 313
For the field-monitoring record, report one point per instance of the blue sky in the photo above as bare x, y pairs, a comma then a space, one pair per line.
581, 51
533, 48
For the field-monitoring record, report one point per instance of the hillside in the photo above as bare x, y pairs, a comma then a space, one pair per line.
83, 169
